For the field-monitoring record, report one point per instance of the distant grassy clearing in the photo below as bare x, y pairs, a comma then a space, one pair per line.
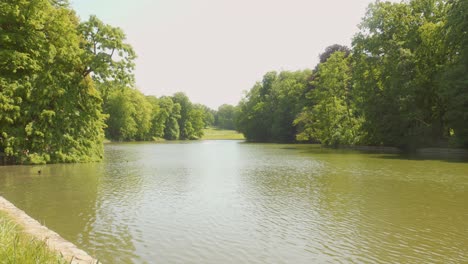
215, 133
17, 247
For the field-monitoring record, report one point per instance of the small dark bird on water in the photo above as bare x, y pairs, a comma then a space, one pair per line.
39, 172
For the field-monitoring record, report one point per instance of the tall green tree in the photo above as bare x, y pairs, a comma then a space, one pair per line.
185, 125
197, 119
268, 110
108, 58
288, 99
171, 116
157, 121
332, 119
397, 58
130, 115
324, 56
226, 117
208, 115
50, 111
454, 79
255, 110
191, 121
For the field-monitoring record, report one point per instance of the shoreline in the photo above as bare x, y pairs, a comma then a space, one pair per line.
424, 151
70, 252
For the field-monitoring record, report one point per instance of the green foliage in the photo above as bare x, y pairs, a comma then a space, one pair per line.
184, 121
208, 115
454, 79
19, 248
191, 121
288, 100
172, 129
226, 117
130, 115
157, 125
398, 55
53, 72
50, 112
107, 56
332, 49
403, 84
331, 120
268, 110
197, 120
255, 117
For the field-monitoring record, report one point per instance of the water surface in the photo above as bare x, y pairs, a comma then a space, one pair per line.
232, 202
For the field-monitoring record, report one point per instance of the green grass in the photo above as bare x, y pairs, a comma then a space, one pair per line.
215, 133
17, 247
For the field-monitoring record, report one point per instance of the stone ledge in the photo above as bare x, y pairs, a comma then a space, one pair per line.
54, 241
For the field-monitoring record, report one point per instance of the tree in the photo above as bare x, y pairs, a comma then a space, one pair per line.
157, 121
50, 111
191, 121
130, 115
267, 112
184, 121
225, 117
396, 55
454, 79
197, 120
332, 49
208, 115
288, 100
172, 129
331, 120
108, 58
255, 118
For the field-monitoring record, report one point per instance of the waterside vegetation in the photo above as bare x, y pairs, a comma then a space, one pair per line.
403, 83
17, 247
66, 84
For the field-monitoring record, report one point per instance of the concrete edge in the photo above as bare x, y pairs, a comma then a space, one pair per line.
71, 253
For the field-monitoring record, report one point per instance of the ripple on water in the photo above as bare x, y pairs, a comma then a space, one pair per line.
225, 202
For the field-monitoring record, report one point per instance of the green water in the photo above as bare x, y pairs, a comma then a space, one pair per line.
232, 202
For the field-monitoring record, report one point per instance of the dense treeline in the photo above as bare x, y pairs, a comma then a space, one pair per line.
225, 117
64, 84
50, 110
268, 110
403, 83
133, 116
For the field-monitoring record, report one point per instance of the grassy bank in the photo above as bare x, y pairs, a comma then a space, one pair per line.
16, 247
215, 133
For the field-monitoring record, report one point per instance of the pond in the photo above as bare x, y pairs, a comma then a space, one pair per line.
234, 202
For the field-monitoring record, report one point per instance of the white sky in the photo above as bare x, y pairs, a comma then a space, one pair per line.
213, 50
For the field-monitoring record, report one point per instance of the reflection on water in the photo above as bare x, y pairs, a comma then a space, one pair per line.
231, 202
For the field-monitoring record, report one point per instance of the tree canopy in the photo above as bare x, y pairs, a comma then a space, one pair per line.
267, 112
50, 111
64, 84
225, 117
133, 116
402, 83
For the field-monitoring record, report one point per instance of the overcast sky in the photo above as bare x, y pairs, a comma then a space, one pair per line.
213, 50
